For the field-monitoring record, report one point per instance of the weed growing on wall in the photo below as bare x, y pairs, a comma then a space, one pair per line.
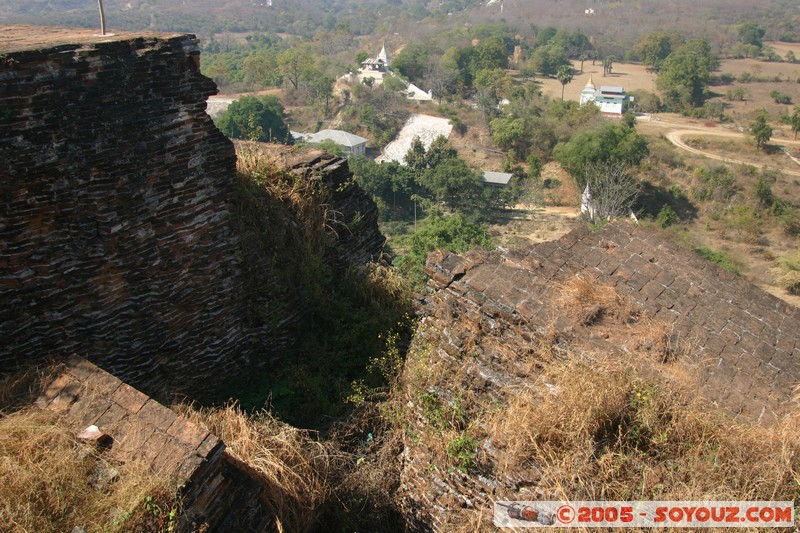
325, 324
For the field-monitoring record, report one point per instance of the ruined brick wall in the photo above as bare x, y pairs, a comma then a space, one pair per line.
114, 198
477, 345
745, 342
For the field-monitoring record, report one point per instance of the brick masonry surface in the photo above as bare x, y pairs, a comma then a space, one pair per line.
745, 341
217, 491
115, 203
116, 188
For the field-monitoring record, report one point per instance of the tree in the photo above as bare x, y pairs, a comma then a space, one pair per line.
389, 181
490, 53
612, 190
454, 184
654, 48
291, 63
394, 84
261, 69
412, 61
255, 119
608, 64
439, 80
715, 109
418, 160
491, 85
609, 142
761, 130
752, 34
361, 57
320, 88
795, 121
548, 58
456, 233
564, 76
510, 133
685, 74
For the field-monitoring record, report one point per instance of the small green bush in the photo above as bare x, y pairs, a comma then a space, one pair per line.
719, 258
666, 217
463, 450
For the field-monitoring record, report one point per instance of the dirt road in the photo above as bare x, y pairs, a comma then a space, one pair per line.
677, 131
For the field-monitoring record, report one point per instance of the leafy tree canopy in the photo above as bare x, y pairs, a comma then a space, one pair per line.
685, 74
412, 61
255, 119
761, 130
752, 34
654, 48
608, 143
456, 233
547, 59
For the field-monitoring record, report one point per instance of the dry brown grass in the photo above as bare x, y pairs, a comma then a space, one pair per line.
294, 469
309, 484
612, 432
51, 482
589, 301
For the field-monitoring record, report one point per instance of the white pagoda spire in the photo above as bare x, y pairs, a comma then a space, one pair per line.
383, 56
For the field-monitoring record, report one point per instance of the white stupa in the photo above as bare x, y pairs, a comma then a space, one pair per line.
589, 93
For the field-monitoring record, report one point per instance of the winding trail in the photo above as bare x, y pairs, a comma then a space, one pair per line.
677, 132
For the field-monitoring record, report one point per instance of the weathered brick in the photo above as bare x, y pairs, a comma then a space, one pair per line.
187, 432
157, 415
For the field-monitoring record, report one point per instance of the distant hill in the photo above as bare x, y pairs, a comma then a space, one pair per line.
303, 17
612, 26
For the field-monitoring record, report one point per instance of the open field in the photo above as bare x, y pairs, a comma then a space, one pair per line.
628, 75
781, 48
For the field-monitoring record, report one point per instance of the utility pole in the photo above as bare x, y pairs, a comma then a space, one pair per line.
102, 17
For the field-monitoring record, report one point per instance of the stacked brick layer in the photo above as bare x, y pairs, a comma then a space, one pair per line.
114, 239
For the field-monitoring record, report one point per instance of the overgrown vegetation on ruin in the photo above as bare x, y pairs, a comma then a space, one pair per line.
586, 425
329, 317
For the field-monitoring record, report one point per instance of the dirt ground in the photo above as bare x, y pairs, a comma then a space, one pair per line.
630, 76
528, 223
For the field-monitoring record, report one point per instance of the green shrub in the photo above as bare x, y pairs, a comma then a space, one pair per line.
719, 258
462, 451
666, 217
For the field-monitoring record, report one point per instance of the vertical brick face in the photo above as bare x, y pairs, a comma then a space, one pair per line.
114, 198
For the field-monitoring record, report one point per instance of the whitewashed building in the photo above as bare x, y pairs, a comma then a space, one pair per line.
612, 100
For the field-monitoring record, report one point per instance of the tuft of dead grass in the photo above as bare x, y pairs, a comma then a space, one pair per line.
51, 482
294, 470
589, 301
345, 481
